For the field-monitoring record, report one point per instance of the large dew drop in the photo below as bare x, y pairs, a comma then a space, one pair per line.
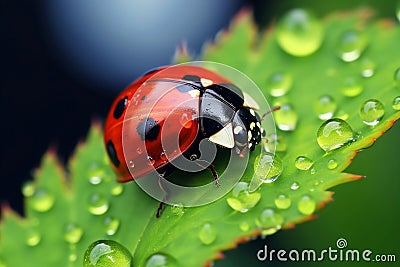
371, 112
282, 201
106, 253
333, 134
299, 33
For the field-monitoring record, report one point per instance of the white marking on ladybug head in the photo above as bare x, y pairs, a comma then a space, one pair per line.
224, 137
237, 129
206, 82
250, 102
252, 112
252, 125
194, 93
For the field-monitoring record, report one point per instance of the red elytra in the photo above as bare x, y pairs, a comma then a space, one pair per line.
144, 117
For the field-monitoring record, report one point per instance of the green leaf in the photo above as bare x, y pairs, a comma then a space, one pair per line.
67, 211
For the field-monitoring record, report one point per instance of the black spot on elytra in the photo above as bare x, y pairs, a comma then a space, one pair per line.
143, 98
112, 153
148, 129
191, 78
120, 107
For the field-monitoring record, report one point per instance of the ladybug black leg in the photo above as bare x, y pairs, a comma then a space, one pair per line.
162, 203
215, 174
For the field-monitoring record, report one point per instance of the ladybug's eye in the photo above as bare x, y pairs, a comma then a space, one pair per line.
120, 107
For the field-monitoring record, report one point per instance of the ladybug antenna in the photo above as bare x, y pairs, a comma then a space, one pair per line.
270, 111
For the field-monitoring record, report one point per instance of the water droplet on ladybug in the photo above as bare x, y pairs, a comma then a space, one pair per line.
185, 120
73, 233
131, 164
240, 199
139, 150
150, 161
105, 253
306, 205
97, 204
333, 134
371, 112
282, 201
207, 233
300, 33
163, 156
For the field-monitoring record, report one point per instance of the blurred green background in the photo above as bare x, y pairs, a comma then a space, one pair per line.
367, 212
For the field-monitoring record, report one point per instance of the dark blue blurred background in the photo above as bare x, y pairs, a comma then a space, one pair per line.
64, 61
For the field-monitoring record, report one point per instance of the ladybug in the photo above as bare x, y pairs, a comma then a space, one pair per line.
165, 114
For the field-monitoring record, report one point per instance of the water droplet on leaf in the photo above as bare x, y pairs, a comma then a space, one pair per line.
161, 260
276, 143
396, 103
241, 199
351, 45
117, 189
367, 68
332, 164
268, 168
207, 233
397, 76
351, 87
269, 221
303, 163
28, 189
282, 201
42, 200
97, 204
244, 226
111, 224
177, 209
306, 205
371, 112
324, 107
95, 173
299, 33
106, 253
333, 134
73, 233
295, 186
279, 84
33, 238
286, 118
